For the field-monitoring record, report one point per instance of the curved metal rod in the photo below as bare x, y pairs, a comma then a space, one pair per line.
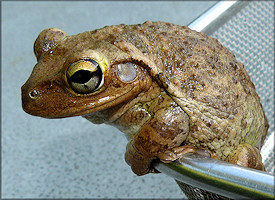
220, 177
217, 15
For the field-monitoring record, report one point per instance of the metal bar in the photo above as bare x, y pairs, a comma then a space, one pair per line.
217, 15
220, 177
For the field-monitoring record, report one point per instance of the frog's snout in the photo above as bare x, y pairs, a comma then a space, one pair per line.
28, 97
33, 99
45, 99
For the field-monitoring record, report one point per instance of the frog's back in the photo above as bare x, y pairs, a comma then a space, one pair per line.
204, 78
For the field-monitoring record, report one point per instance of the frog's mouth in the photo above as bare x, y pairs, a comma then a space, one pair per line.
52, 103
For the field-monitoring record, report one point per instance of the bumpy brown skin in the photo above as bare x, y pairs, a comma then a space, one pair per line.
190, 92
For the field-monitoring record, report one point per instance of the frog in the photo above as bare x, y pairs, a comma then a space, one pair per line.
170, 89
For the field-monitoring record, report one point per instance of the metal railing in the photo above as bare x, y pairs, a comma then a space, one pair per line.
220, 177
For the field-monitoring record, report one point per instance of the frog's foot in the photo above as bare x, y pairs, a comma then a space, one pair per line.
178, 152
247, 156
139, 162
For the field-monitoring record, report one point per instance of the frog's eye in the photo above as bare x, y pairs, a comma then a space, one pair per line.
85, 76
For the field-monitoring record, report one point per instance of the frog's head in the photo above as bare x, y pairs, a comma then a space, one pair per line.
78, 75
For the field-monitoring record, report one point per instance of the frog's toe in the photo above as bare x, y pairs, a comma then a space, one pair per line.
247, 156
176, 153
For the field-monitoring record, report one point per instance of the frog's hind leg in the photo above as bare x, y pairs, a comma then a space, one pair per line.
247, 156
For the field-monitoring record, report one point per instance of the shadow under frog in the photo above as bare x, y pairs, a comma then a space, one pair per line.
172, 90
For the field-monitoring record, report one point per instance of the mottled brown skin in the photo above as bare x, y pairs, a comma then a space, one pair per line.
190, 93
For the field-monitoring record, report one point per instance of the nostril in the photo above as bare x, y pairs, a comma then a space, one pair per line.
33, 93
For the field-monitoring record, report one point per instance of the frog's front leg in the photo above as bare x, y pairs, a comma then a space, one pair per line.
140, 162
247, 156
164, 132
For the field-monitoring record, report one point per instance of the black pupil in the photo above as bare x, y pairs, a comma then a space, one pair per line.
82, 76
